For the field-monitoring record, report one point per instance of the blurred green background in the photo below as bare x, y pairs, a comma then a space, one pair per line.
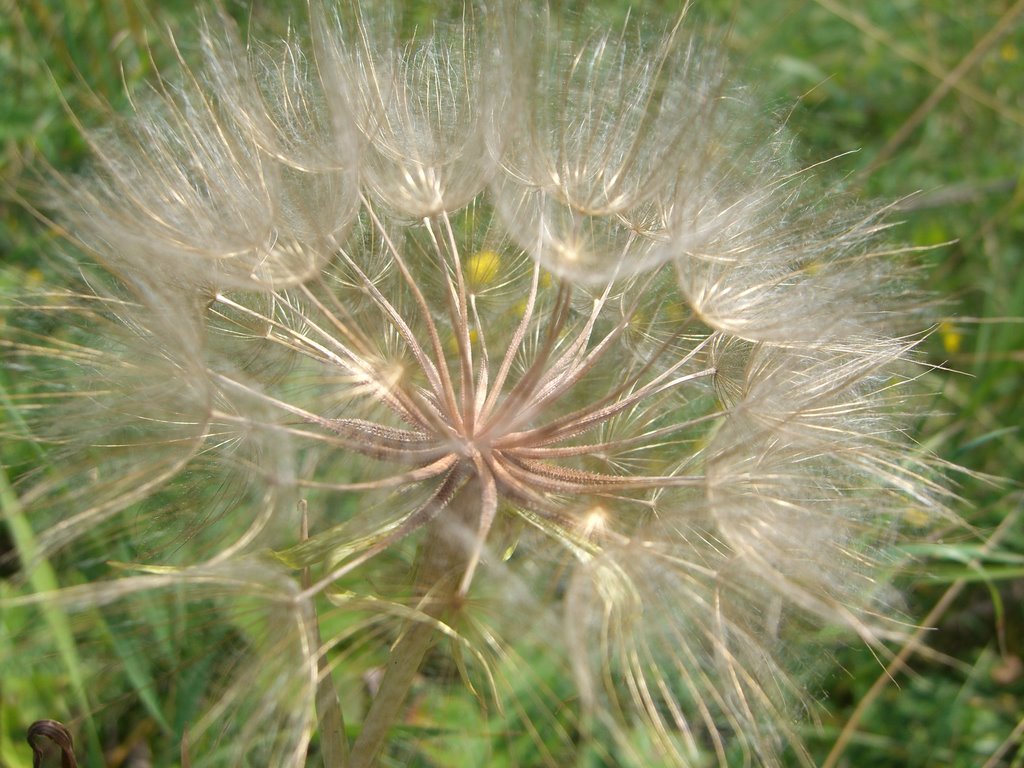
931, 94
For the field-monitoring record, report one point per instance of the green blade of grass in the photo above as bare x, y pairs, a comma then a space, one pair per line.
43, 580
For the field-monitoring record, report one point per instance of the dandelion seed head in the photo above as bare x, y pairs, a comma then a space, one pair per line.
505, 314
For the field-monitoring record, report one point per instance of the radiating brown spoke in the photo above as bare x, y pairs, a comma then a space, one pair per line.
567, 480
416, 519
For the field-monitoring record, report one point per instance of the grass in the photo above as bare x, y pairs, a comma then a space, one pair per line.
929, 93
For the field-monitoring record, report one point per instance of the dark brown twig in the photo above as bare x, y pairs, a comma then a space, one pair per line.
59, 735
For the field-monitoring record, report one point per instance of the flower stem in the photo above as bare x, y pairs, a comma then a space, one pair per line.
333, 742
443, 557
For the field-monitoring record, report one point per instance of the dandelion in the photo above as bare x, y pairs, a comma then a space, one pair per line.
431, 341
